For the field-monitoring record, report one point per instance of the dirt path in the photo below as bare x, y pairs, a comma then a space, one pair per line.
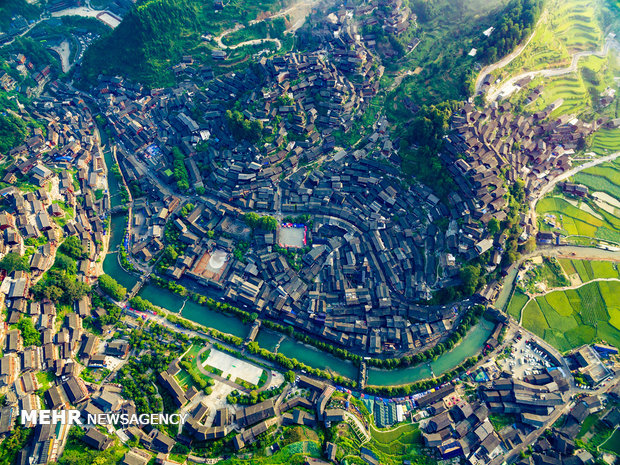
565, 288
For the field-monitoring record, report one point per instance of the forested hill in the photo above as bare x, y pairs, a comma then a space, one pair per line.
155, 34
147, 37
513, 26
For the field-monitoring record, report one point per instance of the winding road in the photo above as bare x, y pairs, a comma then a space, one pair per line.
484, 72
298, 13
509, 86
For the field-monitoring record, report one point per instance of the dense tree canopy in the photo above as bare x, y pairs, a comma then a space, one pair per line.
180, 171
60, 287
514, 25
30, 335
140, 304
12, 131
243, 128
111, 287
254, 220
72, 247
14, 262
422, 141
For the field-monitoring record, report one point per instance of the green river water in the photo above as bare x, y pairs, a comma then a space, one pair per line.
469, 346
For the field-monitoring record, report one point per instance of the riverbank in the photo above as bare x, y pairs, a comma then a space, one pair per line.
291, 353
469, 346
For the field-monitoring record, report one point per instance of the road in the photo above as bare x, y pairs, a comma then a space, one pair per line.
296, 12
549, 187
490, 69
508, 86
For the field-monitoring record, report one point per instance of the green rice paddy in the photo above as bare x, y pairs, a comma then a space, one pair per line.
587, 270
585, 219
571, 318
519, 299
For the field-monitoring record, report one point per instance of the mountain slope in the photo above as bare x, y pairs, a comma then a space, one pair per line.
155, 34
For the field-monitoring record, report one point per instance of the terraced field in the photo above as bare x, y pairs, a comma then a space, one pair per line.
598, 216
590, 220
569, 26
568, 319
392, 446
570, 88
579, 92
577, 26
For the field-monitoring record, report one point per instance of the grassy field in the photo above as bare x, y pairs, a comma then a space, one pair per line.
613, 443
568, 319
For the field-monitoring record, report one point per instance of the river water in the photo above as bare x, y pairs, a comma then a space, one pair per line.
305, 353
192, 311
118, 224
469, 346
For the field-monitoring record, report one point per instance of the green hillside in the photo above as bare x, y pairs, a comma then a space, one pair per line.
155, 34
10, 8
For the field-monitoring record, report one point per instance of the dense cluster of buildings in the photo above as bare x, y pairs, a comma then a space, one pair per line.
65, 161
493, 146
456, 427
372, 249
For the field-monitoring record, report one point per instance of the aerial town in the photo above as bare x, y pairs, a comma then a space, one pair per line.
294, 233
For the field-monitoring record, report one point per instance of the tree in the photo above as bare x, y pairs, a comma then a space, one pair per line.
517, 190
180, 170
12, 131
72, 246
290, 376
170, 254
242, 128
251, 219
14, 262
111, 287
140, 304
470, 276
530, 245
493, 226
65, 262
268, 223
30, 335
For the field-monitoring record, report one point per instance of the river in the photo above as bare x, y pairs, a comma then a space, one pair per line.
468, 347
506, 292
194, 312
305, 353
118, 224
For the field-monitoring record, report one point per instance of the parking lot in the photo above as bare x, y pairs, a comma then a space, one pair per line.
525, 359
